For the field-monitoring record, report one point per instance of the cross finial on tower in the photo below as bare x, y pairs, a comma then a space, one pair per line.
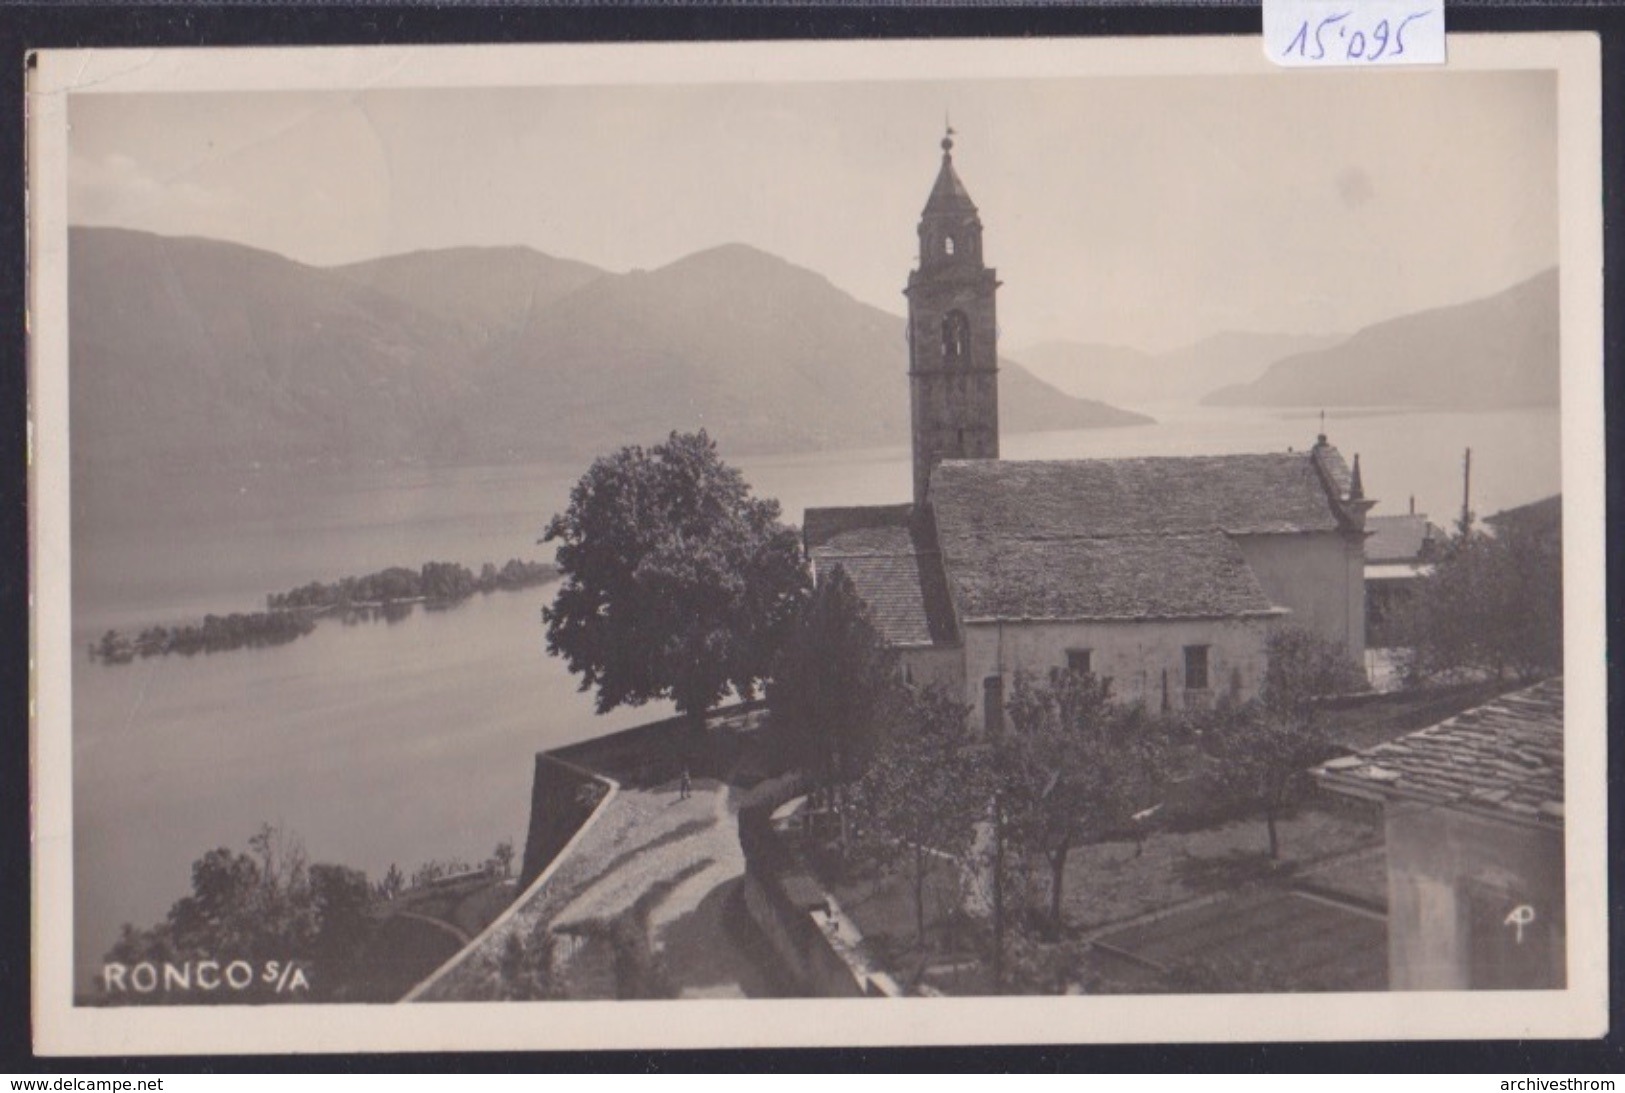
948, 133
1321, 439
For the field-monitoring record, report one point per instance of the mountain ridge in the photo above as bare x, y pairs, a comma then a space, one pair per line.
190, 353
1130, 376
1495, 352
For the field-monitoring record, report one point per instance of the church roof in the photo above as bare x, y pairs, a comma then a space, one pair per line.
1126, 578
892, 558
1504, 758
1058, 499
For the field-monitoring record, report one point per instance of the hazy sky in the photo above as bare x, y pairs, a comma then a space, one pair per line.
1148, 211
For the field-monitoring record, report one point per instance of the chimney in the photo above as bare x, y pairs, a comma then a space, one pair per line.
1413, 504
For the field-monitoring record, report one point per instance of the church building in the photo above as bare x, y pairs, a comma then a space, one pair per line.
1163, 575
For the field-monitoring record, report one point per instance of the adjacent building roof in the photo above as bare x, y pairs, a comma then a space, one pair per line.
1504, 758
892, 558
1410, 538
1238, 494
1138, 577
1543, 515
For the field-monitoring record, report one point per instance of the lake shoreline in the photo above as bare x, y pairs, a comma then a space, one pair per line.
417, 740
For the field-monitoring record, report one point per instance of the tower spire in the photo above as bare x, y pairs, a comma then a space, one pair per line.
953, 332
1356, 487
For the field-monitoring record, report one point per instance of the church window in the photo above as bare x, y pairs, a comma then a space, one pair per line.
955, 336
948, 245
993, 705
1196, 667
1080, 661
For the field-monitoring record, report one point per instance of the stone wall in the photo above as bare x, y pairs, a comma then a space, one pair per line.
1473, 902
562, 796
1134, 655
790, 907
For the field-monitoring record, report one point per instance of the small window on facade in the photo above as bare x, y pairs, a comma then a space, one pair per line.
993, 705
1080, 661
955, 336
1196, 667
948, 245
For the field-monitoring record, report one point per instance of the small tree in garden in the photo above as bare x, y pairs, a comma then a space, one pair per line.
1075, 769
835, 689
1261, 758
1302, 666
1262, 749
525, 968
677, 583
503, 855
927, 789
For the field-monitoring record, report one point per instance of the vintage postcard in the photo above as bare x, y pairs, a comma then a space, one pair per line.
914, 542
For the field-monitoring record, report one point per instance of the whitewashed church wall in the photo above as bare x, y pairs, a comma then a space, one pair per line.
1133, 654
1320, 578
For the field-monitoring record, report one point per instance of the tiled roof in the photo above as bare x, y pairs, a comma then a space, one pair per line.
1399, 538
892, 559
1117, 539
1504, 758
1239, 494
1125, 578
855, 525
1545, 514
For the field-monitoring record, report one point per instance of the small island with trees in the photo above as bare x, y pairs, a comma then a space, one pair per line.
390, 593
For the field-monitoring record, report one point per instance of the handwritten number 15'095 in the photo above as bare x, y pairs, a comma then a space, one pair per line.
1311, 45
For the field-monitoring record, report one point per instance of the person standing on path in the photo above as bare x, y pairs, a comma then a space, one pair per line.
683, 786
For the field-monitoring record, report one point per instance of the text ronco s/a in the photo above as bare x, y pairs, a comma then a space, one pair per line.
276, 977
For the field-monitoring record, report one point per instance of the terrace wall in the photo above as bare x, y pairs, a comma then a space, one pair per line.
782, 896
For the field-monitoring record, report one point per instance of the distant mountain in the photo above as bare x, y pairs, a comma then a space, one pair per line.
1132, 377
1499, 351
485, 292
195, 353
190, 353
761, 352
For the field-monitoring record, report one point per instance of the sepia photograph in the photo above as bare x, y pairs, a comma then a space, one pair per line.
891, 542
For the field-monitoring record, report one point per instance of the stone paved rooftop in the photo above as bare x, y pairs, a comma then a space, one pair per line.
1503, 758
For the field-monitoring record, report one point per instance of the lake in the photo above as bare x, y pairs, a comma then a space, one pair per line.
381, 743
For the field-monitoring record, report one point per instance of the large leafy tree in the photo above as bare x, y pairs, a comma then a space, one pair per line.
836, 689
1075, 769
678, 583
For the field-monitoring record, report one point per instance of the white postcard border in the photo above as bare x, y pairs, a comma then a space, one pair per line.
61, 1028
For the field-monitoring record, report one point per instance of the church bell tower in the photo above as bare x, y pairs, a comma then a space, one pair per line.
953, 360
